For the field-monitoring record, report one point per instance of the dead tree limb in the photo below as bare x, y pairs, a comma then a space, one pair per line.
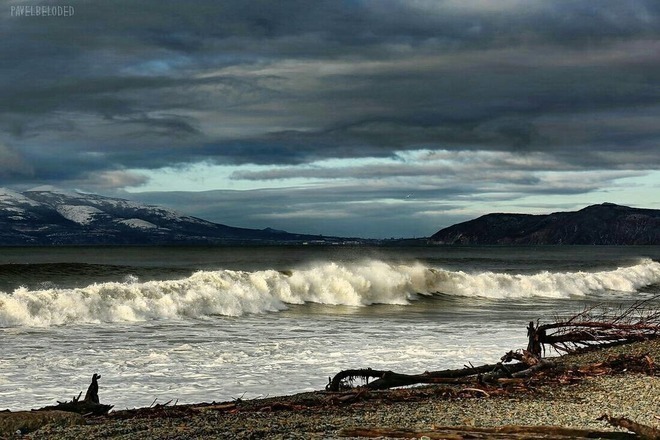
90, 405
594, 327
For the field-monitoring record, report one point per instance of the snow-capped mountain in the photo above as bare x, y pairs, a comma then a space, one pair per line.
47, 216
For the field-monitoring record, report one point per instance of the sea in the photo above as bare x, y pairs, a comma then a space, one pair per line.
202, 324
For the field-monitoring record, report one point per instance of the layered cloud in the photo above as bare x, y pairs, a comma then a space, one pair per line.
123, 89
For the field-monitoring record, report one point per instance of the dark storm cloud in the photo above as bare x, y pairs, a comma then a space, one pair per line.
12, 164
126, 84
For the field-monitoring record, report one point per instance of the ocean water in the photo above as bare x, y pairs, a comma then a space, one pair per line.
201, 324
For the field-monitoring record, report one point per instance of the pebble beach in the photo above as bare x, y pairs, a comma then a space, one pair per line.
322, 415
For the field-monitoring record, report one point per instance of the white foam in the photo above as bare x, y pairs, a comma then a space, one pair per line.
235, 293
547, 284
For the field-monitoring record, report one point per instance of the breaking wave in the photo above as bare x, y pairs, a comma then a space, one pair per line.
235, 293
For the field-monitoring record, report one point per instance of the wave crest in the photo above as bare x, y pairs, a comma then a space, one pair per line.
547, 284
235, 293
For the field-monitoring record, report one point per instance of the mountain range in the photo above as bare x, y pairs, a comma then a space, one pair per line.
47, 216
604, 224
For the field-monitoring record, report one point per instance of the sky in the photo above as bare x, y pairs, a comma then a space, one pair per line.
368, 118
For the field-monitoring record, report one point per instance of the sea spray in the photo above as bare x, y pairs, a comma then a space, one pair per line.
236, 293
546, 284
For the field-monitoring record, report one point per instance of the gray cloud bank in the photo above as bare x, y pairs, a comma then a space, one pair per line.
125, 85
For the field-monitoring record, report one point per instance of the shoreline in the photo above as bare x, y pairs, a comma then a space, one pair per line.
323, 415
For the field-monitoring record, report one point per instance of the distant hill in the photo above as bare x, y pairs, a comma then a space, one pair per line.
54, 217
605, 224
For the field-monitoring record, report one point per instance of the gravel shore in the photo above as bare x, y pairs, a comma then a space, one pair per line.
321, 415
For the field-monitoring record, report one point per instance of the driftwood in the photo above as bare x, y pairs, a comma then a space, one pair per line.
389, 379
489, 373
585, 329
502, 432
594, 327
90, 405
92, 394
639, 431
644, 432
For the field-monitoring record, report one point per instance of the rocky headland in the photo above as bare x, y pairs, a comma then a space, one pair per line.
604, 224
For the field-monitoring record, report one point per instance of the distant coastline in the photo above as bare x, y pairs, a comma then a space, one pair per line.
48, 217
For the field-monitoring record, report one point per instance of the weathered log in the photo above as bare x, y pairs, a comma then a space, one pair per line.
644, 432
524, 356
389, 379
501, 432
392, 380
515, 373
81, 407
90, 405
335, 384
542, 364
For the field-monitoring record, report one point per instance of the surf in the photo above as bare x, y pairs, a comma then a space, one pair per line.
235, 293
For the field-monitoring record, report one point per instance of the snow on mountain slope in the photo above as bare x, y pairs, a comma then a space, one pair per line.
113, 206
80, 214
137, 223
9, 197
47, 216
